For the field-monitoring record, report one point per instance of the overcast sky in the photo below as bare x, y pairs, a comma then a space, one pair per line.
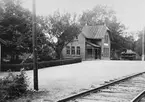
129, 12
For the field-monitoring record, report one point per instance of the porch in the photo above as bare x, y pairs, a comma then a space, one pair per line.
93, 51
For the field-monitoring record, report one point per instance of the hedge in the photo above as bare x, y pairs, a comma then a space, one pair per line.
43, 64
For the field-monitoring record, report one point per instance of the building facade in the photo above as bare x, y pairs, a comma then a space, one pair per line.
92, 43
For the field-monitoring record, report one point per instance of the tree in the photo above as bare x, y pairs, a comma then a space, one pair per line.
138, 43
16, 29
105, 15
96, 16
63, 28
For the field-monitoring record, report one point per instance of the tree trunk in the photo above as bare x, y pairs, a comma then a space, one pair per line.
58, 53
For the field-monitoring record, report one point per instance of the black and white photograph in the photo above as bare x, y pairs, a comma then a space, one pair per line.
72, 50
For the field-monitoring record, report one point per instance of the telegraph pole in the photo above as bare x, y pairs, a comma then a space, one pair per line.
143, 44
35, 67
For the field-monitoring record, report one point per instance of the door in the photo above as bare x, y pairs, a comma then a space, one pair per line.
98, 53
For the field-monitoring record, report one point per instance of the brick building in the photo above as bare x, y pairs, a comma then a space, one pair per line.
92, 43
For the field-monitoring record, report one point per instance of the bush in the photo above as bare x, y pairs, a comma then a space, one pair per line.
11, 61
43, 64
13, 86
45, 58
16, 67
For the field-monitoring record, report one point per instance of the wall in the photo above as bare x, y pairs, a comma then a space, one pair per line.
105, 45
82, 41
77, 42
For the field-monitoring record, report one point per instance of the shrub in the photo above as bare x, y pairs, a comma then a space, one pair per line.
45, 58
58, 62
16, 67
13, 86
43, 64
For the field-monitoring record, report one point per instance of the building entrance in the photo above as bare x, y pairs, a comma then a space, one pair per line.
97, 53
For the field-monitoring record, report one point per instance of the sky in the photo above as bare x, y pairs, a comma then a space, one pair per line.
129, 12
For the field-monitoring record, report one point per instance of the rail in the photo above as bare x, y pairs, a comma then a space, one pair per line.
99, 88
138, 97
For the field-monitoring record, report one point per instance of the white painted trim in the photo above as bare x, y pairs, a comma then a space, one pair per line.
106, 44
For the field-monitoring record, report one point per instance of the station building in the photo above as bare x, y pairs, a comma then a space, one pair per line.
92, 43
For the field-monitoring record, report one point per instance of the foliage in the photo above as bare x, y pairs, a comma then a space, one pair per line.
43, 64
138, 43
105, 15
96, 16
16, 30
54, 32
63, 28
16, 67
15, 27
13, 86
59, 62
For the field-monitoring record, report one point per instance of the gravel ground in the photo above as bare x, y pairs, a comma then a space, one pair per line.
61, 81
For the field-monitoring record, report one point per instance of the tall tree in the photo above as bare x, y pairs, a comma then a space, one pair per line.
16, 29
63, 28
138, 43
105, 15
97, 15
118, 40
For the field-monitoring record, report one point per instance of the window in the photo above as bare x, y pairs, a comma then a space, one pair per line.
106, 39
106, 52
72, 50
89, 51
78, 50
68, 50
76, 37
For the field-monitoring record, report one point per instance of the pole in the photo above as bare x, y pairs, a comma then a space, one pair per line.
0, 58
143, 44
35, 67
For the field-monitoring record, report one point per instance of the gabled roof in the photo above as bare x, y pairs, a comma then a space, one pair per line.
94, 32
2, 41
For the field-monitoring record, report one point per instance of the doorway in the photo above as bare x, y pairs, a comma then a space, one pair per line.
98, 53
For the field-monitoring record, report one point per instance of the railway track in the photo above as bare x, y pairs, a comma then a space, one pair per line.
126, 89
